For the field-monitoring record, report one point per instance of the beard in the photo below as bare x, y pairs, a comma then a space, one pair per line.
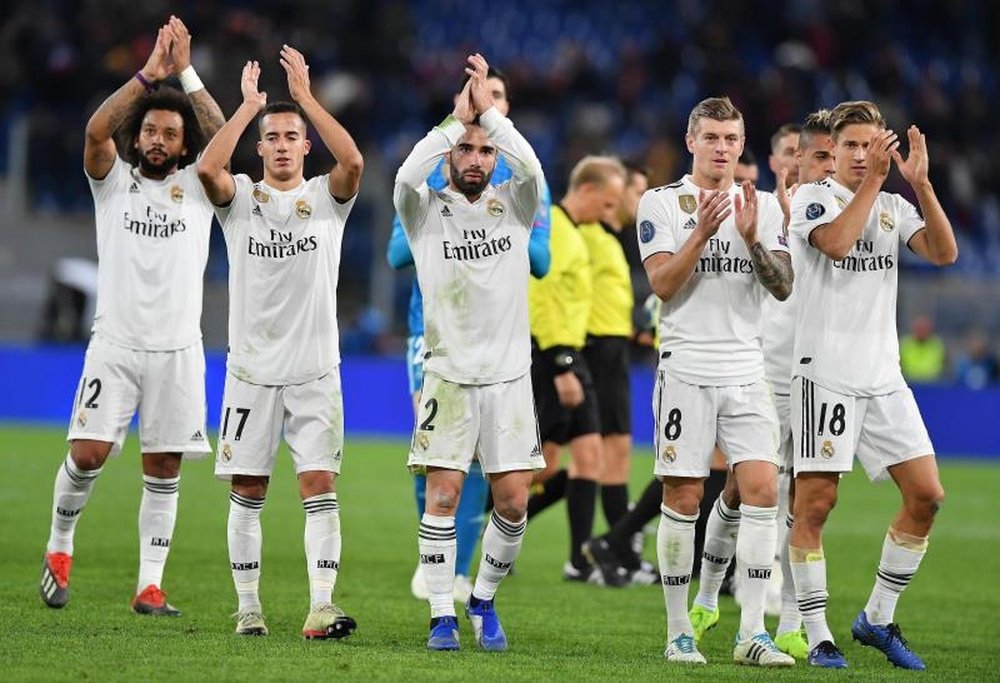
162, 169
468, 187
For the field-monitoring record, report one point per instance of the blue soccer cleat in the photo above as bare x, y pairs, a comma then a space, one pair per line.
826, 655
444, 634
486, 625
889, 640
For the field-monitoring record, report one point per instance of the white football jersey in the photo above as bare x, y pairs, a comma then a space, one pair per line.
777, 335
152, 246
284, 261
472, 258
845, 332
710, 329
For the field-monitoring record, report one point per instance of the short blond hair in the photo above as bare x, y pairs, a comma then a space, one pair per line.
596, 169
858, 111
714, 108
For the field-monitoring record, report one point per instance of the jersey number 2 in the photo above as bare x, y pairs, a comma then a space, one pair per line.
432, 406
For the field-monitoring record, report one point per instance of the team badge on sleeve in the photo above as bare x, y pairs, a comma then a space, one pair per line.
814, 211
646, 231
687, 203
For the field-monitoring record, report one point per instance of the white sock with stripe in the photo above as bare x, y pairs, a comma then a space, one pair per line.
437, 543
245, 541
71, 491
157, 517
675, 552
322, 542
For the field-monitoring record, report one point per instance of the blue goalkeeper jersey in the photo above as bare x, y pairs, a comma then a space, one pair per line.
399, 255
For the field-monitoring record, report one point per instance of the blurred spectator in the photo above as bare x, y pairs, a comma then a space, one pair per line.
922, 353
978, 367
70, 303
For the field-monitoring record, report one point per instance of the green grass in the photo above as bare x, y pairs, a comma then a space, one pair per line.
558, 631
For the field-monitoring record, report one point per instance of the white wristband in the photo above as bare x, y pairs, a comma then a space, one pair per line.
189, 80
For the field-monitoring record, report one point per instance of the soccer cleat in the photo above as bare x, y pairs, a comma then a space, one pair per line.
889, 640
683, 649
250, 623
461, 589
418, 586
826, 655
327, 621
54, 585
793, 643
703, 620
760, 650
645, 575
444, 634
599, 553
153, 601
588, 574
486, 625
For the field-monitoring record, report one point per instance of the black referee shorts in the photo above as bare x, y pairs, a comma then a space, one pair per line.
556, 422
607, 358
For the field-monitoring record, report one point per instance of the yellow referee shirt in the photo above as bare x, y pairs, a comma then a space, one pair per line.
611, 310
559, 303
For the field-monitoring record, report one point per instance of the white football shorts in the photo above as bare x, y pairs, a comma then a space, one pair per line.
253, 417
690, 420
786, 450
829, 429
495, 423
166, 387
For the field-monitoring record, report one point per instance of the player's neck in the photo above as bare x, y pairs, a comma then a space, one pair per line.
708, 183
473, 198
851, 184
157, 176
283, 185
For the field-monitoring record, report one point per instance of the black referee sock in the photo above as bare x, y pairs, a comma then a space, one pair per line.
614, 502
581, 499
553, 491
645, 510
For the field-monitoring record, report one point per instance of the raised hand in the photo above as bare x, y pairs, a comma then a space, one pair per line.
881, 150
914, 167
248, 86
298, 73
746, 213
464, 110
159, 65
784, 193
482, 98
180, 44
713, 208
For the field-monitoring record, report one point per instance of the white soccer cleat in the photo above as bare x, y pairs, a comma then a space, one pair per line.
760, 650
418, 586
684, 650
250, 623
462, 589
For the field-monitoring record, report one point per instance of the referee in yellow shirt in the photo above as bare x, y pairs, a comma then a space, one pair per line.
559, 308
609, 334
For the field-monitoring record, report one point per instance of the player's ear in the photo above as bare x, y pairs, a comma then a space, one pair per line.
260, 148
306, 145
689, 141
447, 157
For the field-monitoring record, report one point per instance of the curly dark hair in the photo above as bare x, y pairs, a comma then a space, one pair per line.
168, 99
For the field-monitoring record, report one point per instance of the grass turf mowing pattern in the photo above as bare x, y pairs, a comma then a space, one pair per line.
558, 631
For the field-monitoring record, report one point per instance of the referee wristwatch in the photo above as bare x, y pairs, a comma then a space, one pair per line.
563, 360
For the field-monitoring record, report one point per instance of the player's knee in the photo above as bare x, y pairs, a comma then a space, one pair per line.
512, 508
89, 455
924, 502
443, 500
814, 510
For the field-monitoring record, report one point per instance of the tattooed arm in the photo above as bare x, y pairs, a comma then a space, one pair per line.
209, 115
774, 270
99, 146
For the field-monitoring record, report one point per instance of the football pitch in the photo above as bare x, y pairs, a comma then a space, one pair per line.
558, 631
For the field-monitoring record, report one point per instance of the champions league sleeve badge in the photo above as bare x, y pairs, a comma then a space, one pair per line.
814, 211
646, 231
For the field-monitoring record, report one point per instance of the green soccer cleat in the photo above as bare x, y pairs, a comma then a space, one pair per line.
702, 620
793, 643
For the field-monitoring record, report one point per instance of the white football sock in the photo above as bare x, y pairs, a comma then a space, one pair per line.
809, 572
675, 552
322, 541
501, 545
720, 545
70, 494
901, 556
437, 542
245, 541
754, 562
157, 516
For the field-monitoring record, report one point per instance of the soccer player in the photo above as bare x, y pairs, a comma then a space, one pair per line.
815, 162
283, 370
746, 168
153, 225
475, 491
470, 245
560, 305
785, 154
712, 250
848, 394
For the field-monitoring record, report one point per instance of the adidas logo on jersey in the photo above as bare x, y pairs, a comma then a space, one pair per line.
446, 212
690, 224
133, 188
256, 210
198, 436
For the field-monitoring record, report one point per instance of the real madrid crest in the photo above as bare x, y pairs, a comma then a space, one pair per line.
227, 453
494, 208
669, 454
81, 418
827, 450
841, 203
885, 221
177, 193
261, 196
687, 203
423, 441
302, 209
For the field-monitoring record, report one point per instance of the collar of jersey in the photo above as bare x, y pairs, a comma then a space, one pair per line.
455, 194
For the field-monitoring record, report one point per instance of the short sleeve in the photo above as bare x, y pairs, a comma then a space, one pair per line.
910, 220
340, 209
771, 223
655, 226
812, 207
243, 188
108, 185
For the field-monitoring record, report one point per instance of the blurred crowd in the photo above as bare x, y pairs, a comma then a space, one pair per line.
585, 76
